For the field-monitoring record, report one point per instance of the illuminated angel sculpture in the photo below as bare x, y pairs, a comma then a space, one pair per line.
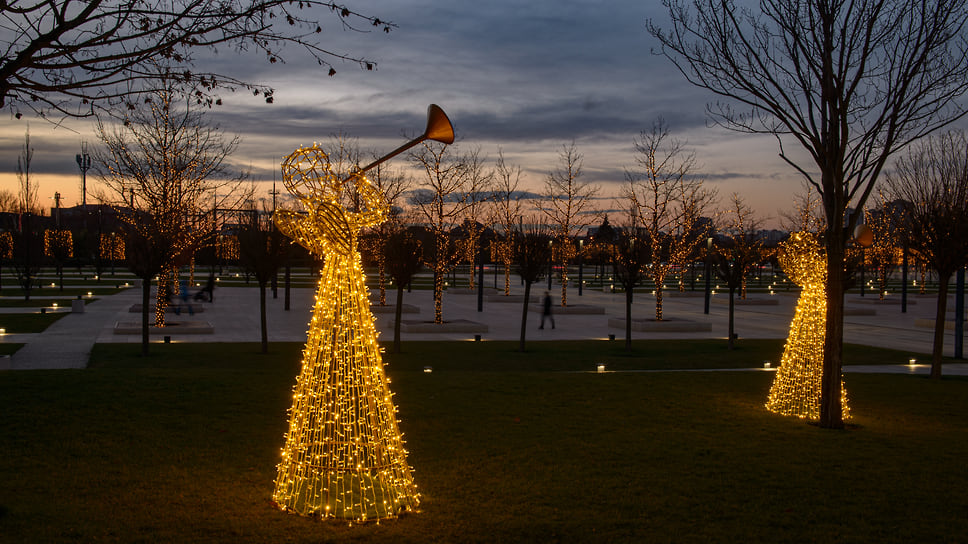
344, 455
796, 388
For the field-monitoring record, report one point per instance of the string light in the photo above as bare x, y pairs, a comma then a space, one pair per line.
58, 241
227, 247
344, 456
112, 246
796, 388
6, 245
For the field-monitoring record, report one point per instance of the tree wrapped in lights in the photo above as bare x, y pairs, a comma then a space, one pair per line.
344, 454
59, 245
796, 388
111, 246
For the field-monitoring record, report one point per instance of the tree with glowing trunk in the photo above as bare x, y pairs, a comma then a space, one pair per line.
931, 183
392, 184
475, 216
849, 82
74, 57
344, 454
440, 202
884, 253
567, 205
506, 213
174, 162
666, 203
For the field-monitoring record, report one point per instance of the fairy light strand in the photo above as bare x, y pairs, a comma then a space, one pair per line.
344, 455
796, 388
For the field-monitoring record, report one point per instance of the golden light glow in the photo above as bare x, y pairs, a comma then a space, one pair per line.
227, 247
796, 387
344, 456
6, 245
58, 241
112, 246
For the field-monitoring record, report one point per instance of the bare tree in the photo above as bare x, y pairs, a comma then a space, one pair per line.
475, 214
506, 212
440, 202
531, 254
27, 197
568, 206
631, 256
392, 184
403, 255
931, 183
26, 259
849, 82
263, 249
8, 201
75, 57
807, 214
175, 162
667, 201
739, 250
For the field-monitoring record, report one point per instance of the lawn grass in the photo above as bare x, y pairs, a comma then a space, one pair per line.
181, 446
28, 323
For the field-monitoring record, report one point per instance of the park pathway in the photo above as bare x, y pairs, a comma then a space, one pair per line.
67, 343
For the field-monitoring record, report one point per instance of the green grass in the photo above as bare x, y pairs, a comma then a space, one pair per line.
28, 323
181, 446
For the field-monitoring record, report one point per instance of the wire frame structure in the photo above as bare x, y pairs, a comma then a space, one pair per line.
796, 388
344, 455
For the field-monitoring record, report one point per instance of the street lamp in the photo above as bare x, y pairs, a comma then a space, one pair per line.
83, 162
709, 272
581, 244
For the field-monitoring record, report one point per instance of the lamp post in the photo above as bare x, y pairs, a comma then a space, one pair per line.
709, 272
581, 244
960, 313
551, 260
83, 162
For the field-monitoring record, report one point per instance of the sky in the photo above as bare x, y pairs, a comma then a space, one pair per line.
523, 77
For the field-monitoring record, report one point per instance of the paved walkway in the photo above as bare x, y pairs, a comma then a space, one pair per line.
234, 317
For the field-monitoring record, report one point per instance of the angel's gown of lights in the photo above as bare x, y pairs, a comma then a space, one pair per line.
344, 455
797, 385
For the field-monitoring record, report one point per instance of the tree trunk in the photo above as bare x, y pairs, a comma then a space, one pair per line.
937, 351
730, 343
831, 408
438, 294
145, 308
524, 314
564, 283
628, 318
398, 313
262, 317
